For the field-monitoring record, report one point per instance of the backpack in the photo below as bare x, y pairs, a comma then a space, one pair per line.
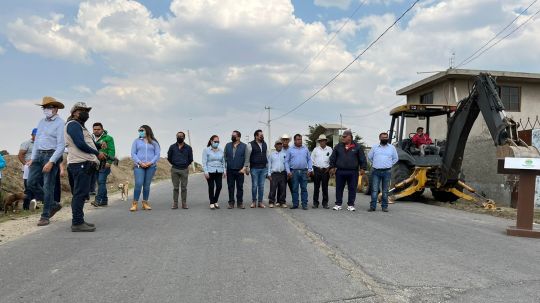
2, 162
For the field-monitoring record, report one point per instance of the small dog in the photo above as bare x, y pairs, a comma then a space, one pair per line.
124, 189
12, 201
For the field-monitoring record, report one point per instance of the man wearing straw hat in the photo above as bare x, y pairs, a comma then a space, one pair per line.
46, 156
320, 156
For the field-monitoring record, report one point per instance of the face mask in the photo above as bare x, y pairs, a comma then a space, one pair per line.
48, 112
142, 134
384, 141
215, 144
233, 139
83, 117
180, 140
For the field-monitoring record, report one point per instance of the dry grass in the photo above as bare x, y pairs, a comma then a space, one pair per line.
12, 180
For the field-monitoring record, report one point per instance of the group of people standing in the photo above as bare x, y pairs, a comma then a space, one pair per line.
292, 166
90, 156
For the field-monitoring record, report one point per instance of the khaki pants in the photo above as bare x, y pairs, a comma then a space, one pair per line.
179, 176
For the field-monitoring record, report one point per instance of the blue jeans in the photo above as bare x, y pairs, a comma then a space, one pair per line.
80, 175
378, 176
143, 179
349, 177
299, 178
101, 197
258, 175
37, 177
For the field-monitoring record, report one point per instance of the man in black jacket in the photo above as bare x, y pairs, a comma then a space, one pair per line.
347, 158
180, 155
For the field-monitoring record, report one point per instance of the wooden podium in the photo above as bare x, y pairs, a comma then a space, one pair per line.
527, 169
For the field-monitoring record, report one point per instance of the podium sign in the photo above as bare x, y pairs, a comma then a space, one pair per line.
522, 163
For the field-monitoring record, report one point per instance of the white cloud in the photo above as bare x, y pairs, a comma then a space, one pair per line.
212, 66
2, 50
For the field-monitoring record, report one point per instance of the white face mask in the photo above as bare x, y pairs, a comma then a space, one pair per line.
48, 112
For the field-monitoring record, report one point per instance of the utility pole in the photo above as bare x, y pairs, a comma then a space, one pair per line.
189, 140
341, 121
269, 128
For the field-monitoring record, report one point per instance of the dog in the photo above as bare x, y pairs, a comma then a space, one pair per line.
124, 190
12, 201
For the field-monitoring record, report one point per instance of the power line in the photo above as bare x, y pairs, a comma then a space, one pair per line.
314, 59
468, 59
374, 112
348, 65
500, 40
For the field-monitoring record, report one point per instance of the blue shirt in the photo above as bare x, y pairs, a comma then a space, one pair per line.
50, 136
383, 156
213, 161
276, 162
298, 158
145, 152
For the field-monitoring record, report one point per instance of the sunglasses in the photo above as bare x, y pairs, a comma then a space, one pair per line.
216, 141
141, 130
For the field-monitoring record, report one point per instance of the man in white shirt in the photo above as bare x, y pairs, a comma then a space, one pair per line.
277, 176
320, 156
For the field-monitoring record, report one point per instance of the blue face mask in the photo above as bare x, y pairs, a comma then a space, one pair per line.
142, 134
215, 145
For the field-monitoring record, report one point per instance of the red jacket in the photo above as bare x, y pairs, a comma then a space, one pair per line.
421, 140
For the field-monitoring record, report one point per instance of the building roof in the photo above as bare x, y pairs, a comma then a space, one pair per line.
332, 126
452, 74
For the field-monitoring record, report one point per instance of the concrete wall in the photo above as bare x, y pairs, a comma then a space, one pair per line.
480, 164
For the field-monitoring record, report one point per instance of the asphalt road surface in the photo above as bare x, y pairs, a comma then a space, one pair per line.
414, 253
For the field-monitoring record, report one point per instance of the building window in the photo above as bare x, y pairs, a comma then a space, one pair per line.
426, 98
511, 98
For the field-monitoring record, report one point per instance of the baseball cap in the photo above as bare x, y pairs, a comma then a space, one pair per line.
34, 131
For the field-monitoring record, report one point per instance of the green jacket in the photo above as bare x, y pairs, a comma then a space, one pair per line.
110, 150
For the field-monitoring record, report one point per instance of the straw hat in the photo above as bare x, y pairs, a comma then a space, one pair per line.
278, 142
322, 137
285, 136
50, 101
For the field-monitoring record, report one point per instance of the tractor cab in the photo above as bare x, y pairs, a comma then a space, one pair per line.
407, 150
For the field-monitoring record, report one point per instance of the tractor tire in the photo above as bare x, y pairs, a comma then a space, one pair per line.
365, 185
400, 172
443, 196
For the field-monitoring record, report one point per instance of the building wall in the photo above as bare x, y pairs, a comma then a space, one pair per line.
480, 163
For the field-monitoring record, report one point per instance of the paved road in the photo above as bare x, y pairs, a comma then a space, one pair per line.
415, 253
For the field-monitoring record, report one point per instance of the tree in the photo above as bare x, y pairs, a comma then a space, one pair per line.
314, 132
360, 141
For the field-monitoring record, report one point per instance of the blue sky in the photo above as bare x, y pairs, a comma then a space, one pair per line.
212, 67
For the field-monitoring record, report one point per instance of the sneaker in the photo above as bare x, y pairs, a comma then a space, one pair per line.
326, 207
284, 205
385, 209
271, 205
261, 205
212, 206
304, 208
315, 206
94, 204
337, 207
371, 209
278, 205
294, 207
82, 228
351, 208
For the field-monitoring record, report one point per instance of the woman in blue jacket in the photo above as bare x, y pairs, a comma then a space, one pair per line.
145, 155
213, 161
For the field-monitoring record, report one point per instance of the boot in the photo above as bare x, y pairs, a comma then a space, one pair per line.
146, 206
175, 205
134, 206
184, 205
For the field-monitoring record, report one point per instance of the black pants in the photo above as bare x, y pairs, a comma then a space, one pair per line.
349, 177
80, 176
278, 186
320, 179
214, 186
235, 179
